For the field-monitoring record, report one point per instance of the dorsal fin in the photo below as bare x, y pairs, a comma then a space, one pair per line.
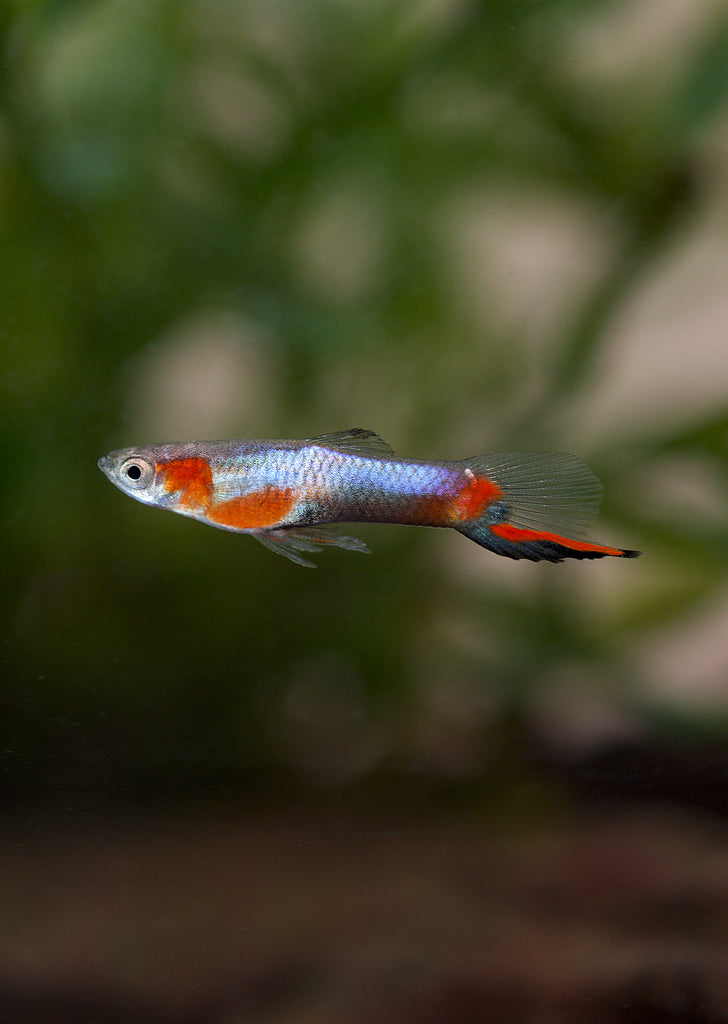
355, 441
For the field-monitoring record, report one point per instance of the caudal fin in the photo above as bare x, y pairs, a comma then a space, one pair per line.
539, 508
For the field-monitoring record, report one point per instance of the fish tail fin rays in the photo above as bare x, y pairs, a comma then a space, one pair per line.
537, 545
540, 508
290, 542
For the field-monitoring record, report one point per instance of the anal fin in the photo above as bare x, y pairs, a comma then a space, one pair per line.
290, 542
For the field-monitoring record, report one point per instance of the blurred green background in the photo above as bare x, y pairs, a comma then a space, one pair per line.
466, 226
248, 791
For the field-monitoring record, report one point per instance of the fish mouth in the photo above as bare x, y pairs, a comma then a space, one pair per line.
105, 465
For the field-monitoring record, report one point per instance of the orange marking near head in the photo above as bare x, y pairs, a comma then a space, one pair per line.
192, 477
517, 534
255, 511
477, 494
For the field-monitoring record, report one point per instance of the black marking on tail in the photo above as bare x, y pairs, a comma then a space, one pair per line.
536, 550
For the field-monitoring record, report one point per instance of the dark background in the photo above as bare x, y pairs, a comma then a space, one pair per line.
407, 786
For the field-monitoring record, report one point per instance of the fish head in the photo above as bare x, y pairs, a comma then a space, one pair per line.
175, 476
137, 473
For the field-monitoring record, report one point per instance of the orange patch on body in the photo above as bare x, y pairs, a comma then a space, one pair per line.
424, 510
478, 493
192, 477
517, 534
259, 510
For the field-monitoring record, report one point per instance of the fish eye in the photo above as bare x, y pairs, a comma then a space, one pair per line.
136, 472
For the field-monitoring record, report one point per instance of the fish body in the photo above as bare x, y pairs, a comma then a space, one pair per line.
289, 494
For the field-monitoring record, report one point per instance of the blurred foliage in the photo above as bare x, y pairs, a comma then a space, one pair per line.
282, 187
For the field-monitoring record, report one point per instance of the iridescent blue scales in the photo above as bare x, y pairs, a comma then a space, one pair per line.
289, 494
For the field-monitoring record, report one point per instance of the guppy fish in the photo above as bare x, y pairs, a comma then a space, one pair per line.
288, 493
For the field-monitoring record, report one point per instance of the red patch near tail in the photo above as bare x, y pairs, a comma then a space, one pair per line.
192, 477
518, 535
256, 511
478, 493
